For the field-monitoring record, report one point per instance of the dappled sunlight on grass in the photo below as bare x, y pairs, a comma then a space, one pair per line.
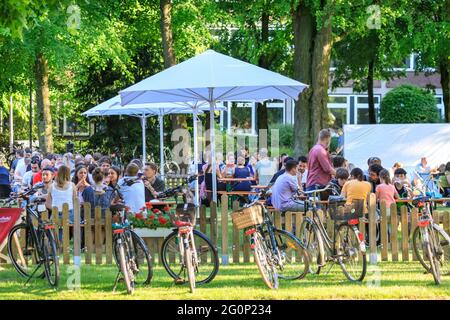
388, 280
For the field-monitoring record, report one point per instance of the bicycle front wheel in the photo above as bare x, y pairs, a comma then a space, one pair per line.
294, 262
313, 242
432, 249
22, 251
351, 259
207, 258
264, 262
50, 257
189, 263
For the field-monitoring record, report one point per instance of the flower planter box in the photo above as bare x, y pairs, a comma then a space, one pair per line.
153, 233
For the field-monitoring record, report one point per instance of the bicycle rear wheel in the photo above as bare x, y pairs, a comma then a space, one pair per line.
125, 267
22, 251
313, 242
351, 259
262, 256
207, 258
294, 258
51, 259
144, 268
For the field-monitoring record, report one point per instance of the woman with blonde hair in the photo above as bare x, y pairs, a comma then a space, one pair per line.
62, 191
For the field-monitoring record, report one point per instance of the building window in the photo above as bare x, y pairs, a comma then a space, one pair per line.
365, 100
337, 99
339, 117
363, 115
241, 117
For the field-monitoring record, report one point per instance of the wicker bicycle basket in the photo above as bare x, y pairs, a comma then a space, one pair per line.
340, 211
248, 217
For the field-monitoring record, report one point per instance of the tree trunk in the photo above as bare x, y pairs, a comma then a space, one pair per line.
312, 53
371, 102
320, 78
166, 33
444, 69
44, 116
178, 121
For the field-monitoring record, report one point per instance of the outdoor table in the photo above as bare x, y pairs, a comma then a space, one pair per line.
260, 187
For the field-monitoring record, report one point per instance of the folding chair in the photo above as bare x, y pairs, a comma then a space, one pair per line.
9, 217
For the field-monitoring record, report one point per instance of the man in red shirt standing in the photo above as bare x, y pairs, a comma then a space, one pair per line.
320, 168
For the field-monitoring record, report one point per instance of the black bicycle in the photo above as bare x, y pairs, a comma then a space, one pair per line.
130, 251
32, 246
278, 253
346, 246
187, 254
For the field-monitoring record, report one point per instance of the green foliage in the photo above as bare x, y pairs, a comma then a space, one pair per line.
409, 104
285, 134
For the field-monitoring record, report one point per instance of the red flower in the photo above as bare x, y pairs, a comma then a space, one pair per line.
152, 217
155, 211
166, 208
139, 216
162, 220
148, 205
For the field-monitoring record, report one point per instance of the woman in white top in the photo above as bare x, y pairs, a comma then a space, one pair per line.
62, 191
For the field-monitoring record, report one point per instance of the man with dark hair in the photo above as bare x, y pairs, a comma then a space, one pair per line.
152, 182
281, 171
320, 169
340, 179
96, 157
285, 188
302, 171
338, 162
105, 165
374, 175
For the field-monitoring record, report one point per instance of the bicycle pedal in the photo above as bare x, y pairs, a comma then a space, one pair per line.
179, 281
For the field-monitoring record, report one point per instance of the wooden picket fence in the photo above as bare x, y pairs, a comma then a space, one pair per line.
395, 232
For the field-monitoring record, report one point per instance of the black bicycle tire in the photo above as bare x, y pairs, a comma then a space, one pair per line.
52, 243
10, 251
320, 244
174, 275
304, 253
137, 239
363, 254
260, 254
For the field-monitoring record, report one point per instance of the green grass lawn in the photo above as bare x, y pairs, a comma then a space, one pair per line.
402, 280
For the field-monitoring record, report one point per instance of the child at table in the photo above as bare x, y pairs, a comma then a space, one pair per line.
386, 191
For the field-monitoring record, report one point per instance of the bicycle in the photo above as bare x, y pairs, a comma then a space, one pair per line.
187, 254
30, 246
430, 242
130, 251
347, 245
278, 253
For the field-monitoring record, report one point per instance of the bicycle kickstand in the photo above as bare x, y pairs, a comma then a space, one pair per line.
117, 281
331, 267
32, 274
